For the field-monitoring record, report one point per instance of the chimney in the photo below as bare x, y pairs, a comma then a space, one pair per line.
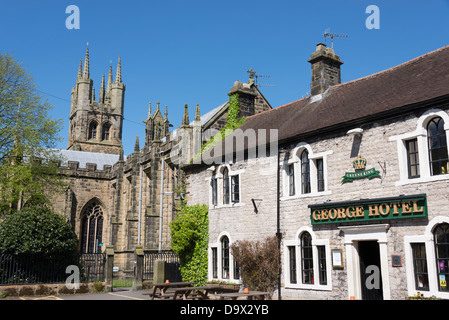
325, 69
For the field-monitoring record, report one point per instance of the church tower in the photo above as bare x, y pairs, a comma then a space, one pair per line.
96, 125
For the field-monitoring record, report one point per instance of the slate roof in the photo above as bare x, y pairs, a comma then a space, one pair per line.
395, 90
101, 159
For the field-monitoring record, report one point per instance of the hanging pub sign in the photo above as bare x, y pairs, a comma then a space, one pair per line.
359, 165
402, 207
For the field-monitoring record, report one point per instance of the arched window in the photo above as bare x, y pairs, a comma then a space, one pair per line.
225, 186
105, 132
305, 172
92, 130
306, 258
441, 238
438, 156
225, 257
91, 228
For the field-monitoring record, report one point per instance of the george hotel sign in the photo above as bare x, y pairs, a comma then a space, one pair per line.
402, 207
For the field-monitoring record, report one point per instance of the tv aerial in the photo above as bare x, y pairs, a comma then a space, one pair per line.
327, 34
253, 75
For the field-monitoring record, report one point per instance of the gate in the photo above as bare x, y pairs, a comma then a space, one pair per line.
171, 264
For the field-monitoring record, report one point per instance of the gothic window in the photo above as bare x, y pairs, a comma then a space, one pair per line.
91, 228
438, 156
92, 130
106, 131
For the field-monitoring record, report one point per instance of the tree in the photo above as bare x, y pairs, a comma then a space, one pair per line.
259, 262
36, 230
27, 132
190, 235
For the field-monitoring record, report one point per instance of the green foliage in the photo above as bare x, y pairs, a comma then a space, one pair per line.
189, 232
26, 134
36, 230
259, 262
232, 123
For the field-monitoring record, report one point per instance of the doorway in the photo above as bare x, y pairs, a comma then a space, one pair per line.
370, 270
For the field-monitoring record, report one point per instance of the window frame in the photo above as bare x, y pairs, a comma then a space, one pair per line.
291, 179
442, 262
420, 133
228, 187
92, 130
225, 258
215, 261
318, 173
441, 149
415, 154
92, 215
426, 239
295, 266
106, 130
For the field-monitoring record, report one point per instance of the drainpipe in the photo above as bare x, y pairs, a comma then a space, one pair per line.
278, 217
140, 206
162, 200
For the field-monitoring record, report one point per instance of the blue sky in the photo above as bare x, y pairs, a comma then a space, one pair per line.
189, 52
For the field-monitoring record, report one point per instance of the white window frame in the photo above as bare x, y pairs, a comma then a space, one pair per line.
297, 244
218, 175
295, 160
428, 239
420, 134
219, 277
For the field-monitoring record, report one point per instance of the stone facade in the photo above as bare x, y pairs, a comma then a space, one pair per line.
119, 200
267, 208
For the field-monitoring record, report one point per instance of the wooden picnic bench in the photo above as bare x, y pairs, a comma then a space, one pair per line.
201, 292
165, 290
249, 296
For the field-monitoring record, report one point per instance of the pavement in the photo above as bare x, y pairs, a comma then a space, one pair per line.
117, 294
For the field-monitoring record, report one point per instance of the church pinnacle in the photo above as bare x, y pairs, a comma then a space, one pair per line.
86, 73
80, 70
118, 75
197, 113
185, 117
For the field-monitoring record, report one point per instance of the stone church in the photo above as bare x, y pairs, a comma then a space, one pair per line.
125, 201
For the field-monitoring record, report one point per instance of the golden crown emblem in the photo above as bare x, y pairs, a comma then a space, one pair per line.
359, 163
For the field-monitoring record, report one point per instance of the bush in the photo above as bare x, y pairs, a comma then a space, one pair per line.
36, 230
259, 263
189, 232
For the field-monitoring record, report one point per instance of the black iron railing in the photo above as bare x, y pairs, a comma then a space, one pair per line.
50, 268
171, 266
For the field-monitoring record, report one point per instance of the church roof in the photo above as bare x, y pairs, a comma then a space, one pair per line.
209, 115
82, 157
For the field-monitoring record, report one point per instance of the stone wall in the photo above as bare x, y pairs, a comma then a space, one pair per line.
258, 181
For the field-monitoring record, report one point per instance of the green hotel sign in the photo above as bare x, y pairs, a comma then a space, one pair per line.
402, 207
